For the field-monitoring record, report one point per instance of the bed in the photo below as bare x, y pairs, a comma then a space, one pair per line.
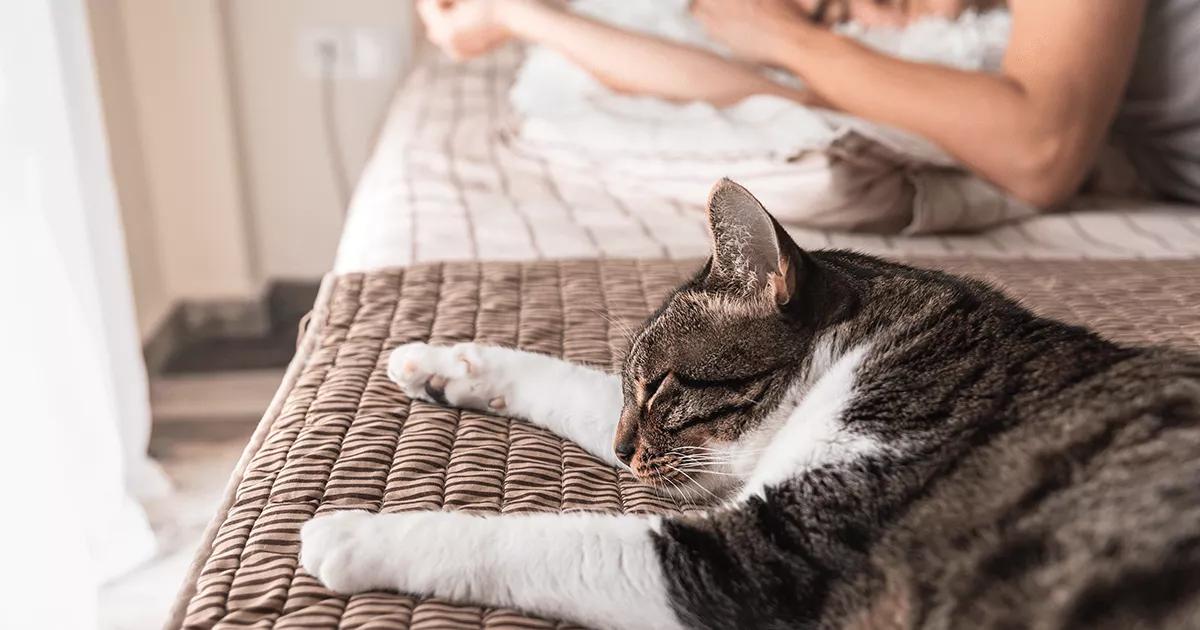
450, 179
457, 233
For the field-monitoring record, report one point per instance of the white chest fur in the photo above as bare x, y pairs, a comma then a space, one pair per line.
807, 431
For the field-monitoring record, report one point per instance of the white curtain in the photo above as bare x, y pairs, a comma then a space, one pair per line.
73, 393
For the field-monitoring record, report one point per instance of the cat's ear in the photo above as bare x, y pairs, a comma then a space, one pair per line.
750, 251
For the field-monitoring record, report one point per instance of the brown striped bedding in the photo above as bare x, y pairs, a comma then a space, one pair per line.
340, 435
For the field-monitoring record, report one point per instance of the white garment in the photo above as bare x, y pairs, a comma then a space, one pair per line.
812, 167
561, 104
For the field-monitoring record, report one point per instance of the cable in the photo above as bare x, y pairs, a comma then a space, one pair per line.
333, 136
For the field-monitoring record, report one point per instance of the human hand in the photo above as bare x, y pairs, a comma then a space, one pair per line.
755, 30
464, 28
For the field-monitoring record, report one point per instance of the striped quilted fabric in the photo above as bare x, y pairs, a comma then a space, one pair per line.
340, 435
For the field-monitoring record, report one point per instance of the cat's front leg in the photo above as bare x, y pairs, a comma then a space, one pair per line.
576, 402
599, 570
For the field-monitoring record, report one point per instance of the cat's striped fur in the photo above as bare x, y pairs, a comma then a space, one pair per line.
887, 447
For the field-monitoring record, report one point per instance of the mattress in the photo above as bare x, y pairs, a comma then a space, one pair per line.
451, 179
340, 435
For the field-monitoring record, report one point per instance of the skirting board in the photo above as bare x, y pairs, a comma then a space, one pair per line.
232, 323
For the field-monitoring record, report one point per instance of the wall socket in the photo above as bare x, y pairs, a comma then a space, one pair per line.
348, 52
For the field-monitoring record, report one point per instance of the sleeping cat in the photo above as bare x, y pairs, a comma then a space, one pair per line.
893, 448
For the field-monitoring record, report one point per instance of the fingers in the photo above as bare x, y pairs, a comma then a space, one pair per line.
432, 14
430, 9
436, 15
702, 10
424, 8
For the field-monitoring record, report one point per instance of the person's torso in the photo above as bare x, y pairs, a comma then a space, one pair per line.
1158, 123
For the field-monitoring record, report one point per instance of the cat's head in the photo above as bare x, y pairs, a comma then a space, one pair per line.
724, 349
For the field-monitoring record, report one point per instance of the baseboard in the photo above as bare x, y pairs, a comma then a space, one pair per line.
164, 341
287, 299
226, 318
233, 324
213, 397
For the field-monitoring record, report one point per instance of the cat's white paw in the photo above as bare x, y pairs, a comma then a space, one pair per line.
450, 375
344, 550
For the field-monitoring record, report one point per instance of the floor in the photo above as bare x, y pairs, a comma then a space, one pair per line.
201, 424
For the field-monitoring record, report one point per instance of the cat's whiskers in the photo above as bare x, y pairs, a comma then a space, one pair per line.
686, 493
621, 326
711, 472
690, 461
708, 455
703, 466
679, 490
695, 483
714, 466
659, 481
726, 461
724, 451
712, 459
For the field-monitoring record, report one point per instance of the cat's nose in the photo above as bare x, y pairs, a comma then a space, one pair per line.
625, 440
625, 450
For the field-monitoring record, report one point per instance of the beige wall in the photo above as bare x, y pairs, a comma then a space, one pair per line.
124, 142
178, 68
219, 156
297, 213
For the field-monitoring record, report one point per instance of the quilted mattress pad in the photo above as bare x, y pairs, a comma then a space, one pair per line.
340, 435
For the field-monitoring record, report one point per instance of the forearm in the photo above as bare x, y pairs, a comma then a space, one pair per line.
597, 569
1006, 131
574, 401
636, 63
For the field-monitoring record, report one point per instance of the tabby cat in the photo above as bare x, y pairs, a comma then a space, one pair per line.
893, 448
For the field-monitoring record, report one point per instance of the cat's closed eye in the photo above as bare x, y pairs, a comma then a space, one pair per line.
727, 382
694, 382
712, 415
654, 385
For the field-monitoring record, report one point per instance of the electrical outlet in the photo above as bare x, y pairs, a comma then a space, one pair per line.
371, 51
322, 52
347, 52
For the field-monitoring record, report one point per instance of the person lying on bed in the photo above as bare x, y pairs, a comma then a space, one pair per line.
1075, 75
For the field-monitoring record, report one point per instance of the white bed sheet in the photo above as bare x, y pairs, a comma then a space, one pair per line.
448, 180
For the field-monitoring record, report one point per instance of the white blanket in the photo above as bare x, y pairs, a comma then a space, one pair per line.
813, 167
562, 105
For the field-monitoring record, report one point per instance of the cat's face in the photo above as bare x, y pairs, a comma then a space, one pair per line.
720, 354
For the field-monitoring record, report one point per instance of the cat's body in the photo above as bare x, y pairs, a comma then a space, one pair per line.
892, 447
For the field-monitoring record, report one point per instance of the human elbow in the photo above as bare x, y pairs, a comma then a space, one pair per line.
1042, 191
1047, 172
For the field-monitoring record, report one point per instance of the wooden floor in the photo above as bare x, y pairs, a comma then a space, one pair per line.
201, 424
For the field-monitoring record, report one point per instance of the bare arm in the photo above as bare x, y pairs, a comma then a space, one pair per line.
1033, 130
624, 61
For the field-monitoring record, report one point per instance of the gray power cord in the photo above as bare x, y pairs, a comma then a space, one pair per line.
333, 136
